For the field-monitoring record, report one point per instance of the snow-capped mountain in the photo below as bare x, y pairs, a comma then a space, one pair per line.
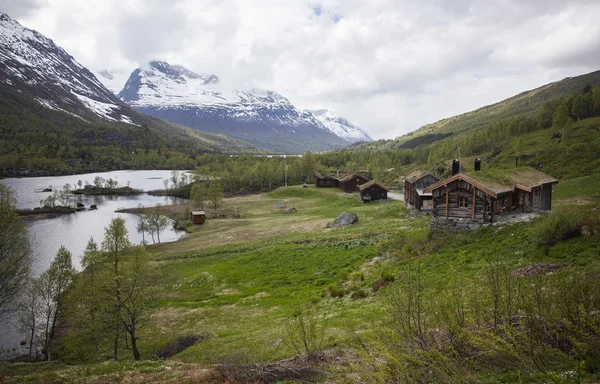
264, 118
113, 79
340, 126
36, 67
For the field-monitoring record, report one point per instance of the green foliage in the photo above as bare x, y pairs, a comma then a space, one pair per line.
15, 251
199, 194
214, 193
35, 138
305, 330
555, 227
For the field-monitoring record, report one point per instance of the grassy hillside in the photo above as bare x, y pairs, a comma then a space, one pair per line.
34, 138
527, 103
238, 282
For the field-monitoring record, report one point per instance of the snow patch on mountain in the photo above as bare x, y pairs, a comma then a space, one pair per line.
33, 65
340, 126
113, 79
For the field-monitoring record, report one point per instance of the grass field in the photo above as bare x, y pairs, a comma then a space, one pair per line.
236, 280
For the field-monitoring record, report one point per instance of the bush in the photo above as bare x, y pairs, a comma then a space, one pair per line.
359, 294
357, 276
387, 276
556, 227
304, 331
335, 291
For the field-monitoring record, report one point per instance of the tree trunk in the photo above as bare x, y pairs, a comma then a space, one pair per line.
32, 334
134, 348
47, 339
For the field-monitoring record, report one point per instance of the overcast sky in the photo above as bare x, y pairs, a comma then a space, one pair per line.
389, 66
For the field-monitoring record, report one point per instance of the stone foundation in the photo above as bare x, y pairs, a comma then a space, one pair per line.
455, 224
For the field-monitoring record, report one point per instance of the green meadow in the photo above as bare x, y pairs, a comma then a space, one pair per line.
236, 282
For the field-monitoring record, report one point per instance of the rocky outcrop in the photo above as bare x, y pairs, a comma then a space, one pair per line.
345, 219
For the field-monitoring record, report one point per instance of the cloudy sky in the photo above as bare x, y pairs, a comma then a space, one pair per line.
389, 66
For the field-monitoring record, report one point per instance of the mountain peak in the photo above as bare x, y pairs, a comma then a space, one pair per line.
340, 126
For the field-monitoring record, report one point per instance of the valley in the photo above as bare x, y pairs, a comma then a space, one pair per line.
276, 256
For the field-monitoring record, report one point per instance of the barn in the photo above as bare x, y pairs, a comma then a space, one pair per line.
480, 195
414, 186
326, 181
352, 182
373, 191
197, 217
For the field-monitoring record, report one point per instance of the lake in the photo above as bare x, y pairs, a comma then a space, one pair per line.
74, 230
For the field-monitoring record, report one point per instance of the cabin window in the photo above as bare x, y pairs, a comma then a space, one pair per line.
463, 202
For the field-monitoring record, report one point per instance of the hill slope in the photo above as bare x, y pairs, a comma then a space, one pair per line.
527, 103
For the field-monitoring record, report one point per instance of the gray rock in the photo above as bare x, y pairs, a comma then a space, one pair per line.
345, 219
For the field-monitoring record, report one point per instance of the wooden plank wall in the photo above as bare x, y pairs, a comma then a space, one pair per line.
481, 211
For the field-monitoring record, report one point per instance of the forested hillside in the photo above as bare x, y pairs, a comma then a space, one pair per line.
561, 135
45, 141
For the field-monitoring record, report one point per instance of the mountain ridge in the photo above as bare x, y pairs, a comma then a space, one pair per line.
264, 118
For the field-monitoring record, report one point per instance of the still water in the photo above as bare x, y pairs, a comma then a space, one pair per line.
74, 230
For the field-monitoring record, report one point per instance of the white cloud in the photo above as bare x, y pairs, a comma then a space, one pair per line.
388, 66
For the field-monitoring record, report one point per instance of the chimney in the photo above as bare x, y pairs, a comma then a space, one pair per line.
455, 167
478, 164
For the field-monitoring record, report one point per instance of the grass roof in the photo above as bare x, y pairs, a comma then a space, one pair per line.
497, 181
416, 175
350, 176
371, 183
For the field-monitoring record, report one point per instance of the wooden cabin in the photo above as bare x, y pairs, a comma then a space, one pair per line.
197, 217
326, 181
480, 195
373, 191
414, 190
352, 182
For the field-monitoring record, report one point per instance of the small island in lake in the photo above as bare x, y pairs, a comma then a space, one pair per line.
93, 190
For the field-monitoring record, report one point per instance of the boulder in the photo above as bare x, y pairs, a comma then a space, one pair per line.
93, 207
345, 219
80, 205
289, 210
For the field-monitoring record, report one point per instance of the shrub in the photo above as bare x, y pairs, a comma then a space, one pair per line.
304, 331
387, 276
357, 276
359, 294
556, 227
335, 291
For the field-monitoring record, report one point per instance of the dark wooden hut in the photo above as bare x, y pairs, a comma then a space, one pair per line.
197, 217
414, 190
480, 195
326, 181
373, 191
352, 182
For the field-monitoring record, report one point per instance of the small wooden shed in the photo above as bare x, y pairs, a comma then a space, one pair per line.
197, 217
352, 182
373, 191
414, 190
